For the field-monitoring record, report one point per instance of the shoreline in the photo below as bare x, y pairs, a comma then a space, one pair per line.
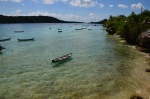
139, 72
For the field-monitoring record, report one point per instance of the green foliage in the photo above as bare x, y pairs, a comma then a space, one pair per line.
31, 19
130, 27
103, 21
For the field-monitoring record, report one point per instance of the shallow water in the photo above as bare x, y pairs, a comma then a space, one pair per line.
100, 67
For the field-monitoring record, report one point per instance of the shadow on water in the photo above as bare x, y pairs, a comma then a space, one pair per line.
58, 64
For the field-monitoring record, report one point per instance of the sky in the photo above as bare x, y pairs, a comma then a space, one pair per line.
73, 10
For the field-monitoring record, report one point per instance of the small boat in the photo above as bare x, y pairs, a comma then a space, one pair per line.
64, 57
18, 31
31, 39
59, 31
78, 29
2, 40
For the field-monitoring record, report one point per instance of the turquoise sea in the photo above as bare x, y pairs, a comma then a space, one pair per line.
100, 68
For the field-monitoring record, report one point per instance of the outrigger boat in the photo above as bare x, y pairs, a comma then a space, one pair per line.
1, 40
32, 39
64, 57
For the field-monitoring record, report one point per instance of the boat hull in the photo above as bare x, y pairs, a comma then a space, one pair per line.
7, 39
62, 58
32, 39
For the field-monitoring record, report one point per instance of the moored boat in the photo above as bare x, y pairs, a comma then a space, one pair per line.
78, 29
64, 57
31, 39
18, 31
6, 39
59, 31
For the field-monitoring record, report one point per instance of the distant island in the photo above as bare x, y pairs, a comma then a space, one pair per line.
32, 19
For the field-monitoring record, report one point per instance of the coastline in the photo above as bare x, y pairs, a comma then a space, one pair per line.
139, 73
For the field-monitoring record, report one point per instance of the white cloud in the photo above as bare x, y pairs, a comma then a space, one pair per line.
93, 17
122, 6
67, 17
91, 14
13, 0
16, 13
16, 0
34, 0
101, 5
3, 0
83, 3
64, 1
49, 1
136, 6
111, 6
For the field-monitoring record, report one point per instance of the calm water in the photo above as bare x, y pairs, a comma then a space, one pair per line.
100, 67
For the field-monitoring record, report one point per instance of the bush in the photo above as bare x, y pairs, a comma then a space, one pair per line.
130, 27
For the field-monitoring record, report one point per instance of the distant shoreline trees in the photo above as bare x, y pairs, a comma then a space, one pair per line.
31, 19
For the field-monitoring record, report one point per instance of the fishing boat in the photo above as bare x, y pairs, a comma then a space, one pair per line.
6, 39
31, 39
18, 31
59, 31
64, 57
78, 29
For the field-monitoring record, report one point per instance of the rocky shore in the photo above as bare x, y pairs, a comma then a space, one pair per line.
144, 42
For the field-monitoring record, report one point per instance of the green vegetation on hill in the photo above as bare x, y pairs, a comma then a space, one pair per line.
31, 19
130, 27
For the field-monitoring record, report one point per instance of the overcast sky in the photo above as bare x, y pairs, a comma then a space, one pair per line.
72, 10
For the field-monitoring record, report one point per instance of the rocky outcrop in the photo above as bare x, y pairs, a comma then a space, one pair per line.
144, 42
111, 30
